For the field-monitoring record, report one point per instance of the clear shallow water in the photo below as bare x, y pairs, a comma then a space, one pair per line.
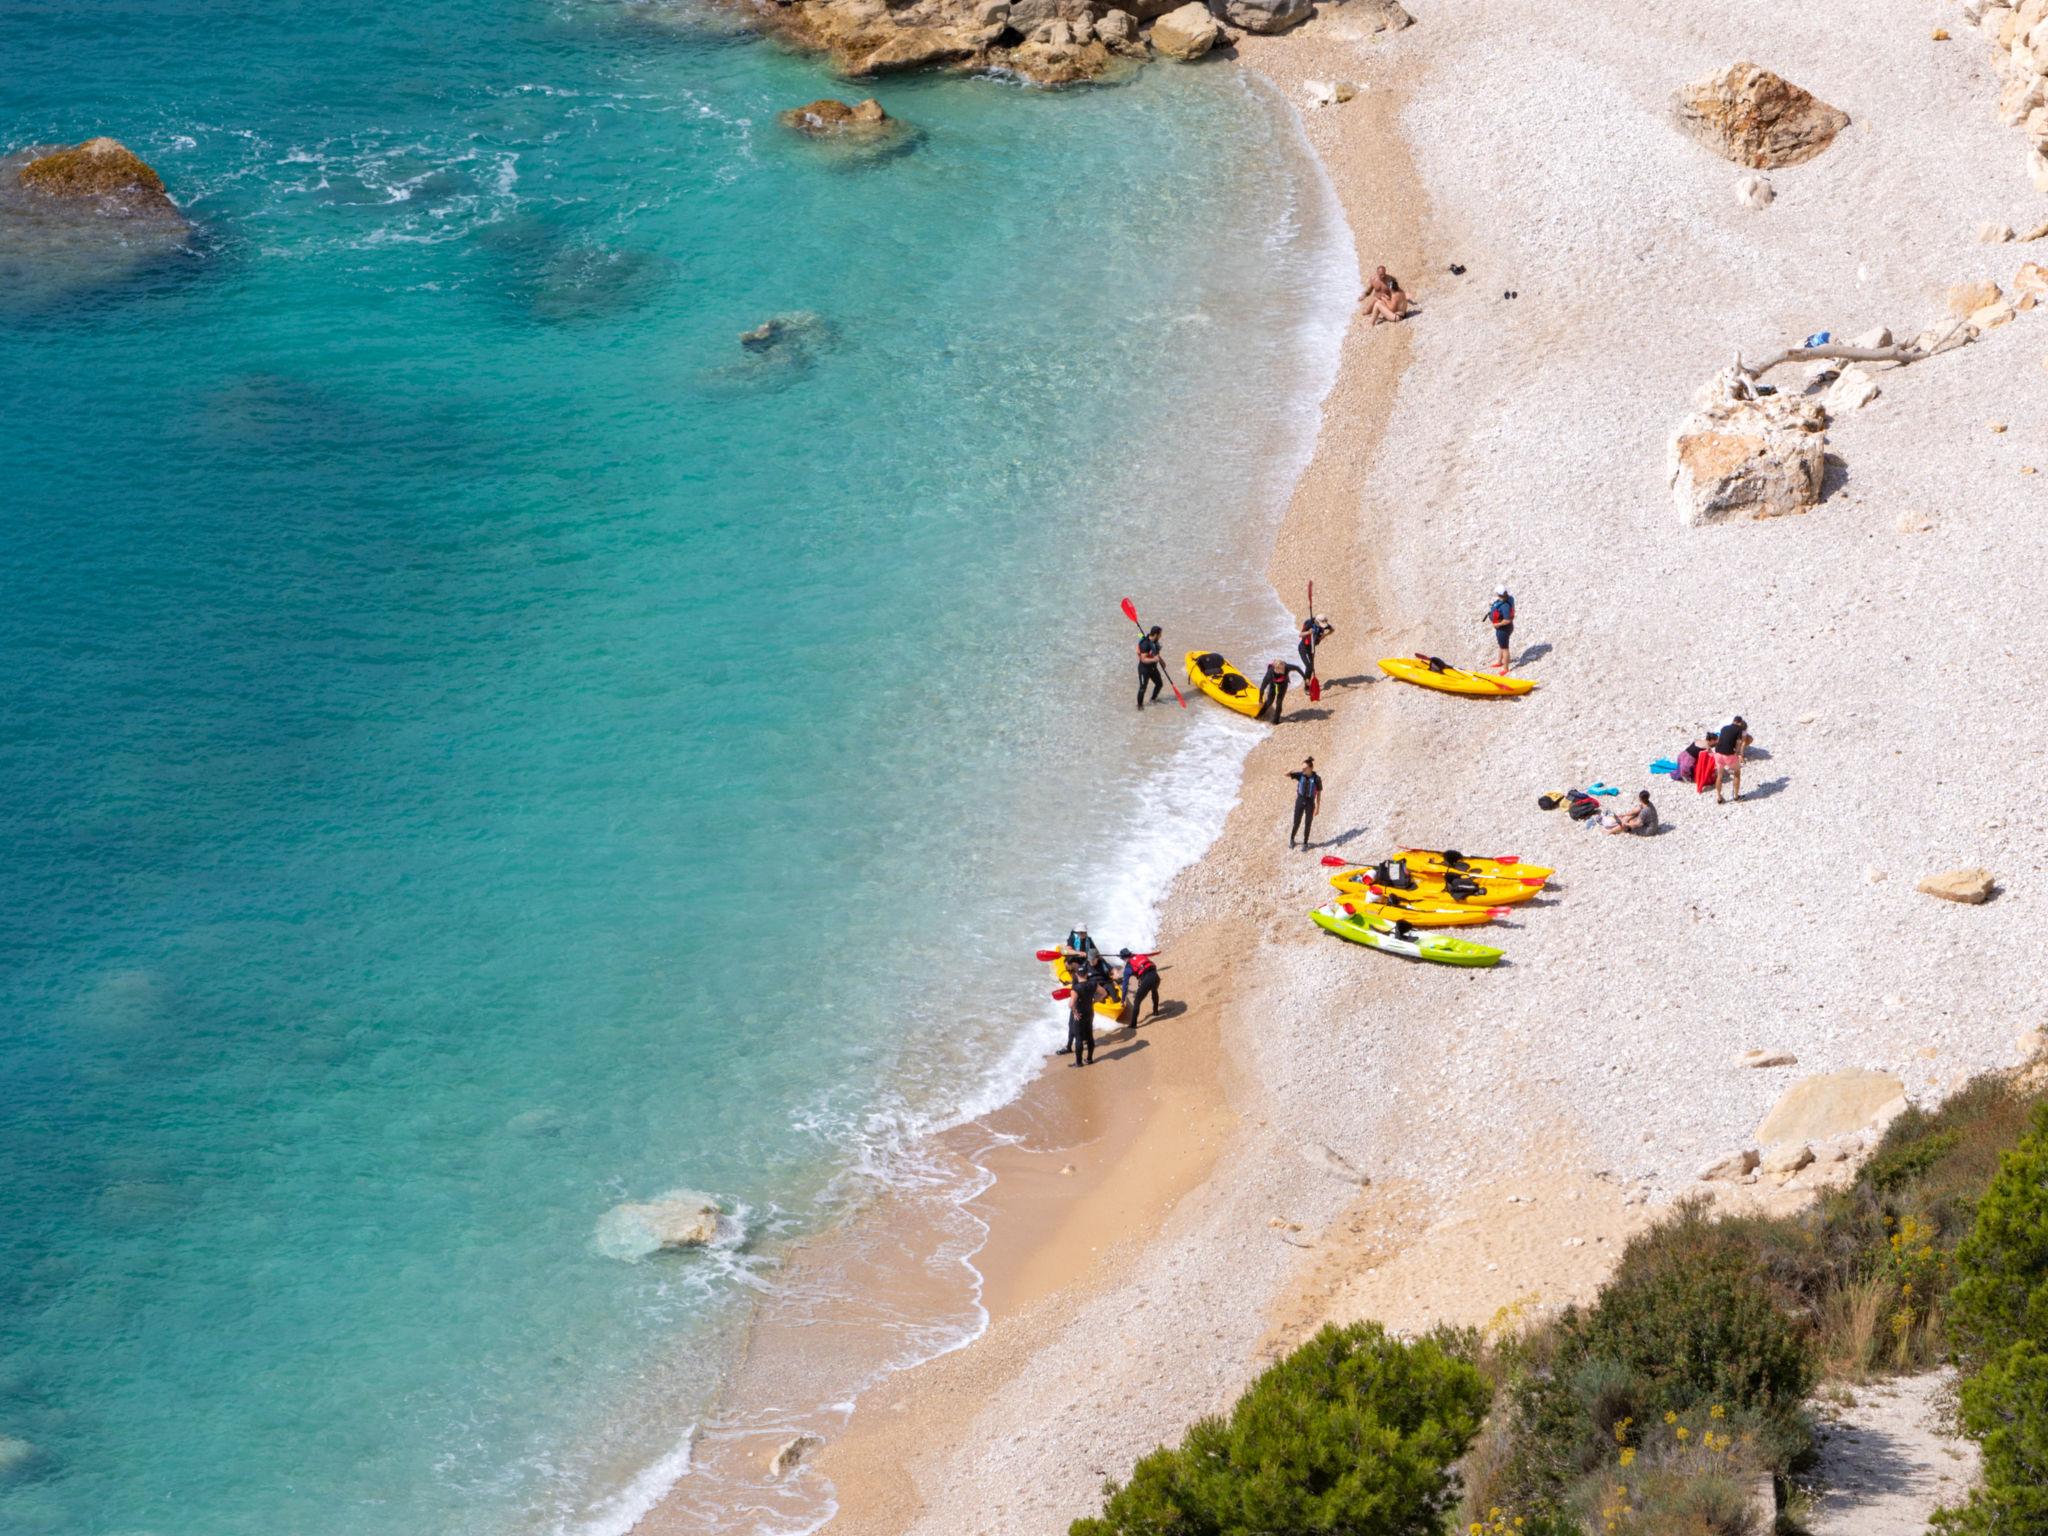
480, 747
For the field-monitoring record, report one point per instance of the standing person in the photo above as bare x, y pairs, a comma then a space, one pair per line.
1149, 669
1273, 688
1314, 632
1081, 1018
1501, 615
1141, 980
1730, 743
1308, 799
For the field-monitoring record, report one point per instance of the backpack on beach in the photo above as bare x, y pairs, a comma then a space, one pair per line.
1580, 806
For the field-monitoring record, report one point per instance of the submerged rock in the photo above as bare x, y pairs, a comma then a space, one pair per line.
1755, 118
678, 1221
78, 218
791, 1453
831, 118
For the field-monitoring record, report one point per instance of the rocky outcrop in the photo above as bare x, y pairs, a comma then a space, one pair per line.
1047, 42
1972, 887
1755, 118
1378, 15
104, 172
1729, 1169
2019, 33
1742, 454
1187, 33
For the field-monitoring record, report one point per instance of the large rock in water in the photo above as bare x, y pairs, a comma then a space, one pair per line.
1743, 455
1263, 15
1833, 1104
678, 1221
1756, 118
105, 172
1187, 33
827, 118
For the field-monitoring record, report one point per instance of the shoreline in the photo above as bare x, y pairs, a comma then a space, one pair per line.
1419, 1147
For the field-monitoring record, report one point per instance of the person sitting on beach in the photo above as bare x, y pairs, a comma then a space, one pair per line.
1642, 820
1383, 298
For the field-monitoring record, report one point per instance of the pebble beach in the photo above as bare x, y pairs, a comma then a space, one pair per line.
1338, 1135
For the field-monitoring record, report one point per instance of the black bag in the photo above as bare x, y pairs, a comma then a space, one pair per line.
1580, 805
1549, 802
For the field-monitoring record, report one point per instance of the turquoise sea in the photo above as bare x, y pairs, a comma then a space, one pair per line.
480, 746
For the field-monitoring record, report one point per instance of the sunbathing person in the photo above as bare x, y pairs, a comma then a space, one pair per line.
1384, 298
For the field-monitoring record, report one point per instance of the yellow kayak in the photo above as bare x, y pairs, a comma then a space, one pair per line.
1478, 685
1369, 883
1222, 682
1108, 1008
1432, 861
1421, 913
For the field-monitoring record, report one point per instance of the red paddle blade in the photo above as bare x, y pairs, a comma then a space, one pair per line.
1496, 912
1048, 954
1130, 610
1315, 690
1062, 994
1332, 861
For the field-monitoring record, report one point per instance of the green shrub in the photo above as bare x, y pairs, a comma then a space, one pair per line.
2000, 1295
1353, 1434
2005, 1407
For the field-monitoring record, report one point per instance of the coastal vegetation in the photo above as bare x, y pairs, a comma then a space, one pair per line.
1679, 1399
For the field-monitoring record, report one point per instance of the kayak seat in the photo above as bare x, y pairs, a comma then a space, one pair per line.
1209, 664
1232, 684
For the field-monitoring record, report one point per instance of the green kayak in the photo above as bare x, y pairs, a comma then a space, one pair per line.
1416, 943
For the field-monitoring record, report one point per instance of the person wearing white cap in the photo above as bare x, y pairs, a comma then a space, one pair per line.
1501, 615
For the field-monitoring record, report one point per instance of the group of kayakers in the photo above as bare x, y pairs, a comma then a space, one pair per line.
1092, 980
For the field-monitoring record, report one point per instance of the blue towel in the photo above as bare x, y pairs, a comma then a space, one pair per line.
1663, 767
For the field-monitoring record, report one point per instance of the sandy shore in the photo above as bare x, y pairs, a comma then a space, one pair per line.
1329, 1133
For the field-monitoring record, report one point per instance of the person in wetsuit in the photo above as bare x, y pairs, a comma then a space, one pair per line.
1140, 981
1150, 672
1081, 1019
1308, 799
1273, 688
1314, 632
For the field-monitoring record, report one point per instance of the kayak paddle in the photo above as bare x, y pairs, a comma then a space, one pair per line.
1315, 684
1061, 994
1131, 613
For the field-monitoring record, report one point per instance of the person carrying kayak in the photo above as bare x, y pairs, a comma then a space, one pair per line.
1081, 1019
1314, 632
1141, 980
1308, 799
1501, 615
1273, 688
1149, 669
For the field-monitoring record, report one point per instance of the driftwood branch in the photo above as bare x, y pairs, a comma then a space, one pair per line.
1902, 353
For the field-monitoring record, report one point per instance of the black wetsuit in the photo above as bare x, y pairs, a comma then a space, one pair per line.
1139, 985
1306, 787
1273, 690
1081, 1019
1149, 670
1312, 636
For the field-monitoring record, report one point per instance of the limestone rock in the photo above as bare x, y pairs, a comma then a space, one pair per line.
1728, 1169
2031, 281
1328, 93
1992, 316
679, 1220
1989, 233
2022, 94
913, 47
2037, 168
1742, 455
1782, 1162
1767, 1059
1852, 390
1060, 55
1753, 191
790, 1453
828, 118
1973, 887
1378, 15
1871, 340
1966, 298
1118, 32
1332, 1162
1262, 15
103, 171
1832, 1104
1756, 118
1187, 33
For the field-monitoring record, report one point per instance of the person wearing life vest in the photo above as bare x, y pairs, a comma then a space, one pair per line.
1314, 632
1149, 669
1141, 980
1501, 615
1273, 688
